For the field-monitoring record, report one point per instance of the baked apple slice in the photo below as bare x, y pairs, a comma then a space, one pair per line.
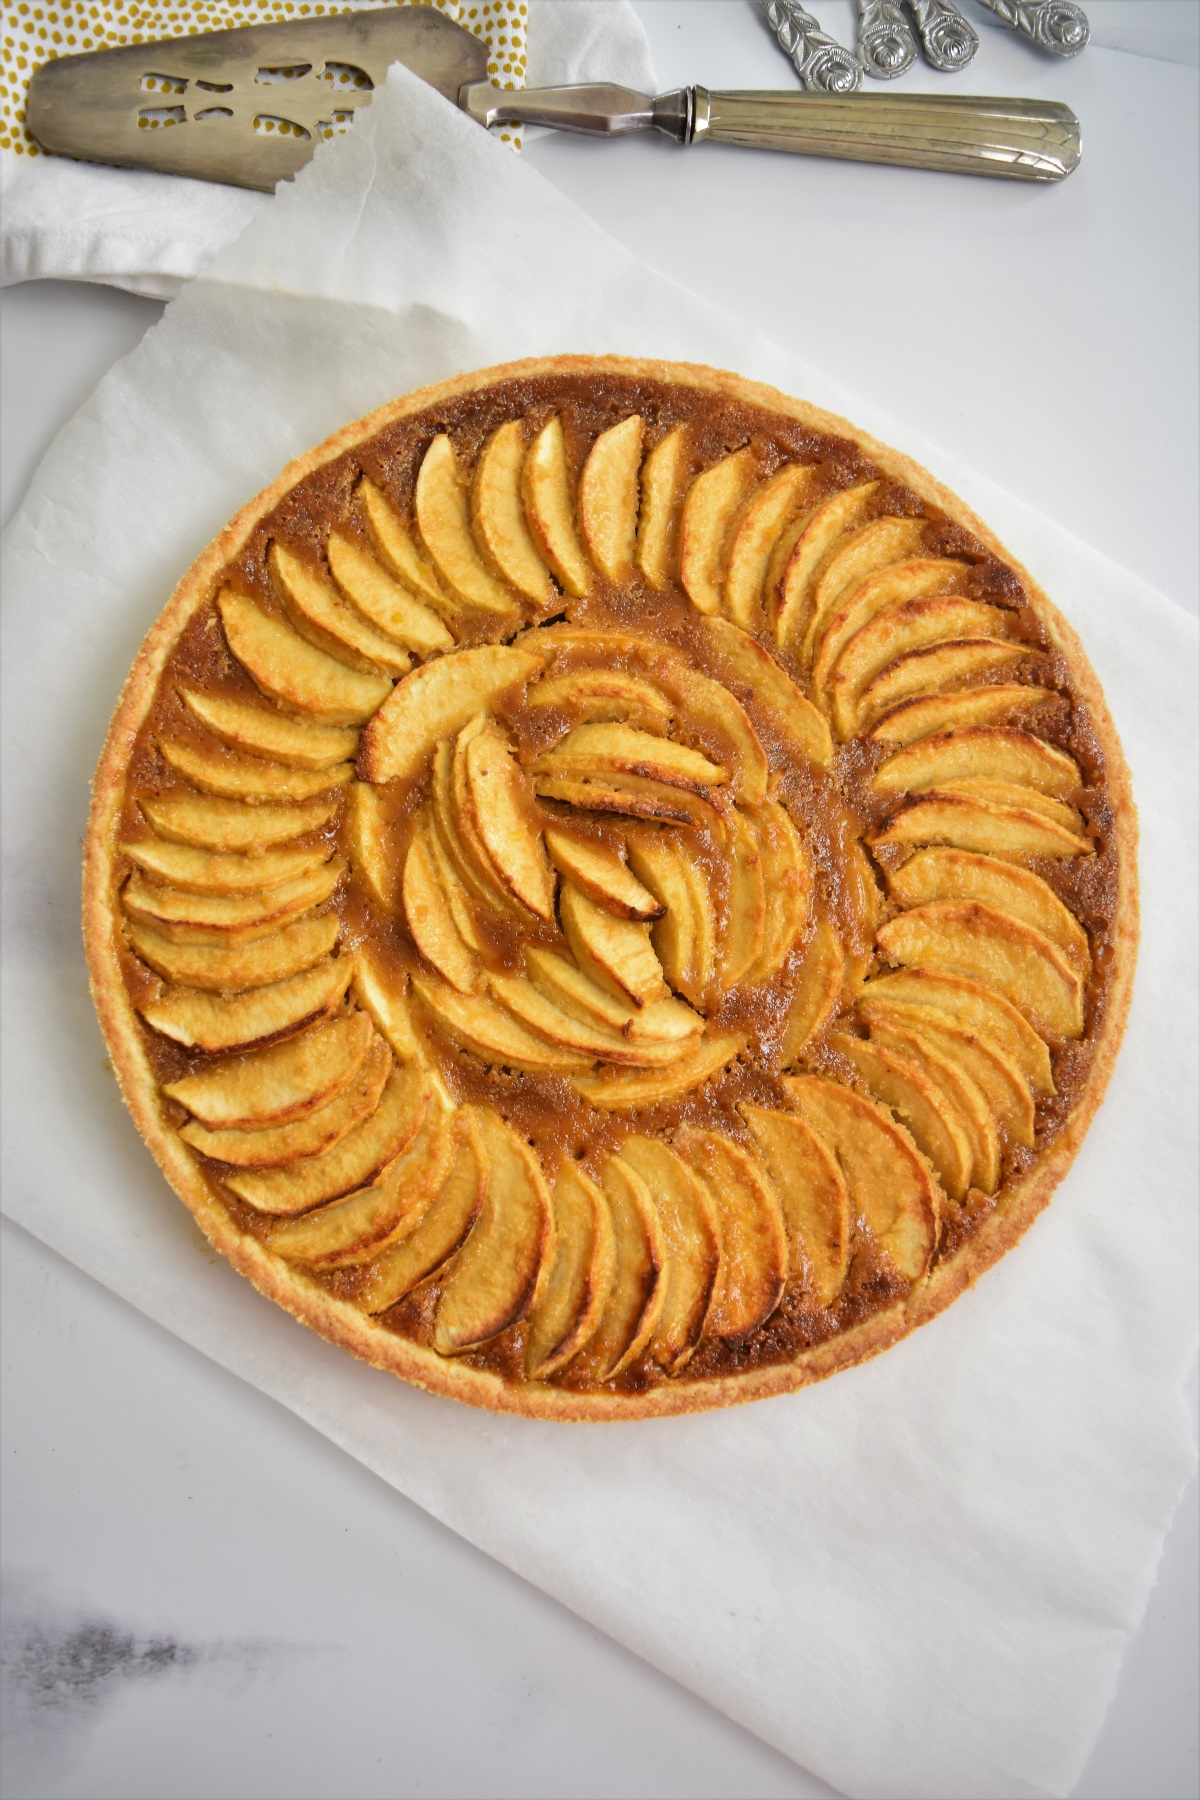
882, 544
599, 872
964, 875
746, 904
187, 917
281, 1083
787, 888
862, 601
971, 821
812, 1193
606, 696
355, 1161
228, 1022
230, 825
976, 1007
317, 611
608, 497
271, 734
219, 969
228, 776
980, 752
954, 1079
431, 920
663, 475
627, 1090
713, 502
441, 1228
493, 1280
890, 1185
394, 546
821, 538
772, 697
768, 513
569, 988
588, 1037
966, 937
754, 1246
904, 1083
994, 1073
384, 603
817, 992
929, 717
505, 822
639, 1285
620, 750
202, 872
898, 631
498, 516
692, 1238
271, 1145
937, 669
490, 1032
443, 521
289, 669
579, 1282
550, 508
435, 701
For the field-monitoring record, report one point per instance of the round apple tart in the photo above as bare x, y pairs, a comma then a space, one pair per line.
609, 893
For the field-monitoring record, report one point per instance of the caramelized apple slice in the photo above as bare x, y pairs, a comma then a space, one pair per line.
787, 888
550, 507
658, 860
230, 825
710, 708
483, 878
378, 993
367, 840
812, 1193
581, 1274
394, 547
228, 776
976, 1007
493, 1280
745, 929
431, 920
384, 603
935, 670
774, 700
639, 1284
774, 506
971, 822
505, 822
598, 872
498, 515
216, 968
443, 522
490, 1032
663, 475
434, 702
713, 502
616, 953
1015, 796
890, 1184
241, 1021
961, 875
356, 1229
289, 669
281, 1083
202, 872
187, 917
990, 753
447, 874
271, 734
607, 696
270, 1145
620, 750
821, 537
574, 992
692, 1238
897, 632
754, 1246
904, 1084
563, 1030
472, 871
608, 497
817, 992
441, 1228
861, 601
319, 614
965, 937
629, 796
633, 1089
953, 1078
360, 1156
704, 951
993, 1071
923, 718
880, 545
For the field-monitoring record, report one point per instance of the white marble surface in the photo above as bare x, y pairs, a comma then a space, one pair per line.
207, 1600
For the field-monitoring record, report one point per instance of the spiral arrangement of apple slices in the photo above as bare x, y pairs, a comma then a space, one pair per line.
593, 794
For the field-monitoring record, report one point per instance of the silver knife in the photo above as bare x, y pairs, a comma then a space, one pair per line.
250, 106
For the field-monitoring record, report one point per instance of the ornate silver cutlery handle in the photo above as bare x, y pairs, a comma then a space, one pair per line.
822, 65
885, 43
948, 41
1058, 26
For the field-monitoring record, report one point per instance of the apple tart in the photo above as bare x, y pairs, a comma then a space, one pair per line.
609, 893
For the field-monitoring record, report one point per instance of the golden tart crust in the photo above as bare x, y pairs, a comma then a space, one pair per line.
609, 893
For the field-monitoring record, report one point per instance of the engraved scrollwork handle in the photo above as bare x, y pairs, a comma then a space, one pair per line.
885, 43
1023, 140
824, 66
948, 41
1058, 26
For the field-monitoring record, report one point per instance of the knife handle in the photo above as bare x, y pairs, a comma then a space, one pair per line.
1024, 140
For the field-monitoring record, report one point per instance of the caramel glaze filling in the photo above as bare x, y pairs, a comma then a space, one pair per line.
829, 806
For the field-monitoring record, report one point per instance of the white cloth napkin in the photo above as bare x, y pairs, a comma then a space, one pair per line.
916, 1579
150, 233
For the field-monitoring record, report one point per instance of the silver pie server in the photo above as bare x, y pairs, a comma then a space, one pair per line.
248, 107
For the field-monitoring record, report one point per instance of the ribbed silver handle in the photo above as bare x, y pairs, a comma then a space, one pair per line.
1024, 140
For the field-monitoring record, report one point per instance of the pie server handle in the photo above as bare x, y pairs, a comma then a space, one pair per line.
1023, 140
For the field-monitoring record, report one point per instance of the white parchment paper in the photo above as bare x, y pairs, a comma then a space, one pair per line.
916, 1579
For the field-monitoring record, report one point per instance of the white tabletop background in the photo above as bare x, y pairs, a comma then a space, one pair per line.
204, 1599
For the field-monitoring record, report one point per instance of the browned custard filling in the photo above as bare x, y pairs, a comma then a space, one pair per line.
615, 886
